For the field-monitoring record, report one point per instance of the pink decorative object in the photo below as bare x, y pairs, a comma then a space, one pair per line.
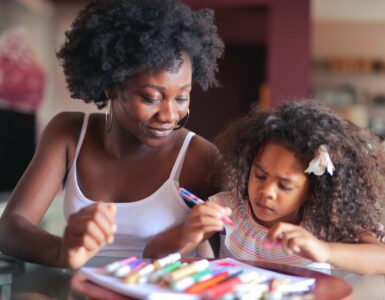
22, 79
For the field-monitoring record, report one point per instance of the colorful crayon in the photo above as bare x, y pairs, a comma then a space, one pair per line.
194, 200
192, 268
202, 285
111, 268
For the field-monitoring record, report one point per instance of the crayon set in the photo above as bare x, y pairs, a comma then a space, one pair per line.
202, 278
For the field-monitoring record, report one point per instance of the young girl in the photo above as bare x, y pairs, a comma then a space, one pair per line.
306, 186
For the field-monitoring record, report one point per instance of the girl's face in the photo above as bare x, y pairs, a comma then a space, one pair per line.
277, 187
152, 103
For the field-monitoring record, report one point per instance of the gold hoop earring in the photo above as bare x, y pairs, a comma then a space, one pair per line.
109, 116
183, 121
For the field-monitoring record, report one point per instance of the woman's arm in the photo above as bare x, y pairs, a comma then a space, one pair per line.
366, 257
87, 230
19, 234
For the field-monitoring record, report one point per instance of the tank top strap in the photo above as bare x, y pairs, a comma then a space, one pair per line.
81, 137
176, 169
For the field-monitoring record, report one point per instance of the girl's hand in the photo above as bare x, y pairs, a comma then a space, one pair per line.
204, 219
296, 239
87, 231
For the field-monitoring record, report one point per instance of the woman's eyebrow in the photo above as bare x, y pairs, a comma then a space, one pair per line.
162, 88
153, 86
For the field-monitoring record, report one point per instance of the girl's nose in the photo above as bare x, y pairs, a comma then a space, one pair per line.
268, 190
168, 113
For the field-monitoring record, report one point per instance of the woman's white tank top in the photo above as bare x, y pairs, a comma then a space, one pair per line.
139, 221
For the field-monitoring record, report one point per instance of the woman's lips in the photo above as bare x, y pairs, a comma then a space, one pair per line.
160, 132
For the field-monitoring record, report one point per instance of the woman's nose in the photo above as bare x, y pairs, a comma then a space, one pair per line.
168, 112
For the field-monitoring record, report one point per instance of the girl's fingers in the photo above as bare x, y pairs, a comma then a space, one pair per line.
287, 242
290, 241
276, 233
213, 210
297, 244
279, 235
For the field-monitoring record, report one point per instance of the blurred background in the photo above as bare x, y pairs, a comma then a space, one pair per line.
331, 50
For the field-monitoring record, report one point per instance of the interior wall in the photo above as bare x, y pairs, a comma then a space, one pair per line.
348, 39
352, 40
64, 15
26, 56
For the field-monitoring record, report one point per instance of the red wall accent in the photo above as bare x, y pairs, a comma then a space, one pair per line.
267, 43
288, 61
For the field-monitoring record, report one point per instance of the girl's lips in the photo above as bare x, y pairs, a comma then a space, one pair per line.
264, 207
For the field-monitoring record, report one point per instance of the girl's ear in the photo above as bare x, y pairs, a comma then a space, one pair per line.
311, 198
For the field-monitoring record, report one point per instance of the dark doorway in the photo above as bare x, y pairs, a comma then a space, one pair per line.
241, 73
17, 136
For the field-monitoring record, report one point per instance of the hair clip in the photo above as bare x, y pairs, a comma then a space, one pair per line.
321, 162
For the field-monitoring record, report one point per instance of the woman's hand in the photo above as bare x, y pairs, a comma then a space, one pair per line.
204, 219
87, 231
296, 239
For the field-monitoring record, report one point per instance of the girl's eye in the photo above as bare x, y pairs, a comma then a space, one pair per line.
260, 177
285, 188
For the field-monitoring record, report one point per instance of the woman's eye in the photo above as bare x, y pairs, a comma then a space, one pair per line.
182, 100
150, 100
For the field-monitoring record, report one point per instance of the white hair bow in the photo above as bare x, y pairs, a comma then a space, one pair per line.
321, 162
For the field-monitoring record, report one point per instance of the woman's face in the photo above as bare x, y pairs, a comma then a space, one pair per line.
277, 187
152, 103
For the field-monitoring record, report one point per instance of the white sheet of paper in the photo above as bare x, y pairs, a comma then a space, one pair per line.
154, 292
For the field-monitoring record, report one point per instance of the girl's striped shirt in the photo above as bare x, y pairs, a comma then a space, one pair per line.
244, 239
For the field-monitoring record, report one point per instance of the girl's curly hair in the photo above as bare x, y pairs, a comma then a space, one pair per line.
111, 40
339, 207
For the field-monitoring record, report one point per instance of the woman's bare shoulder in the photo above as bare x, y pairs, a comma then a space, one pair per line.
199, 166
61, 134
201, 147
64, 126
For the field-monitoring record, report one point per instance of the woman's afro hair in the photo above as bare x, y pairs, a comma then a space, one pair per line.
111, 40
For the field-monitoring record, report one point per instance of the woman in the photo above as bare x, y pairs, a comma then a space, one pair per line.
120, 172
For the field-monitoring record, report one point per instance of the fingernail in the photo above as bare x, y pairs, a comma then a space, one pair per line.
114, 228
110, 240
268, 245
227, 220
